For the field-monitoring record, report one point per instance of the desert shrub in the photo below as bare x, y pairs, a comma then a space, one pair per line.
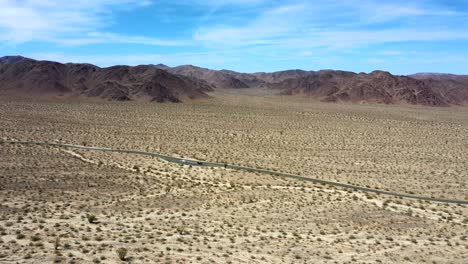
91, 218
57, 243
35, 238
122, 253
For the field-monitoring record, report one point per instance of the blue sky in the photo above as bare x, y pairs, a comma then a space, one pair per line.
402, 37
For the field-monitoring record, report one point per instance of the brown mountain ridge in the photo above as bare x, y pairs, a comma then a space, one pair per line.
375, 87
26, 77
160, 83
451, 86
219, 79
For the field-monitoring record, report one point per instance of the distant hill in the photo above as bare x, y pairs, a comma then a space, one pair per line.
438, 76
377, 87
275, 77
236, 80
26, 77
452, 86
11, 59
162, 66
161, 83
249, 79
216, 78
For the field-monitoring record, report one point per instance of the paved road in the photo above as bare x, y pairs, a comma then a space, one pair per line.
214, 164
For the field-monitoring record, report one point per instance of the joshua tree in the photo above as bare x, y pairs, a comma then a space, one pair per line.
57, 243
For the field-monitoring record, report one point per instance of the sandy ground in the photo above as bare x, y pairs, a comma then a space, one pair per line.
167, 213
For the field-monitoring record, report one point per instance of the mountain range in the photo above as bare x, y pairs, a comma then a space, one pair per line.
22, 76
27, 77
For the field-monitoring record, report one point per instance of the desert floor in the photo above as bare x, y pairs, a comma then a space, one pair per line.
167, 213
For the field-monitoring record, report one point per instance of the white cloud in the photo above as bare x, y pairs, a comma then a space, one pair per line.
320, 32
274, 23
332, 24
223, 2
343, 39
67, 22
106, 37
380, 12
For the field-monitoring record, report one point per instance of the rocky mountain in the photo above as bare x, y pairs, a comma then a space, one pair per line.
219, 79
438, 76
275, 77
249, 79
377, 87
162, 66
161, 83
233, 79
452, 86
28, 77
11, 59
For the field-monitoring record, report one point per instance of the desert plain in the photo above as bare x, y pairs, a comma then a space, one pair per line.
81, 206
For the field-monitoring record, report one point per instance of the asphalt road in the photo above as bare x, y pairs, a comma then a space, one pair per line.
214, 164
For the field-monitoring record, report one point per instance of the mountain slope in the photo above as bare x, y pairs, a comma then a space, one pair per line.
438, 76
45, 78
279, 76
26, 77
11, 59
377, 87
451, 86
216, 78
249, 79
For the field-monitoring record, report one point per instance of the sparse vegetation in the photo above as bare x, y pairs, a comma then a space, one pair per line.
91, 218
122, 253
166, 213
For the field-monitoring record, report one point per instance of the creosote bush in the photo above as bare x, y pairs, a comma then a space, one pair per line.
91, 218
122, 253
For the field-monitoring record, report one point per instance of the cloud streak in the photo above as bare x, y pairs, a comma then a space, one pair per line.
106, 37
290, 26
217, 59
68, 22
243, 34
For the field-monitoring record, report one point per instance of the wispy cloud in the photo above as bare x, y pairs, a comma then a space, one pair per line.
212, 59
360, 38
274, 23
68, 22
378, 11
106, 37
303, 25
224, 2
237, 34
